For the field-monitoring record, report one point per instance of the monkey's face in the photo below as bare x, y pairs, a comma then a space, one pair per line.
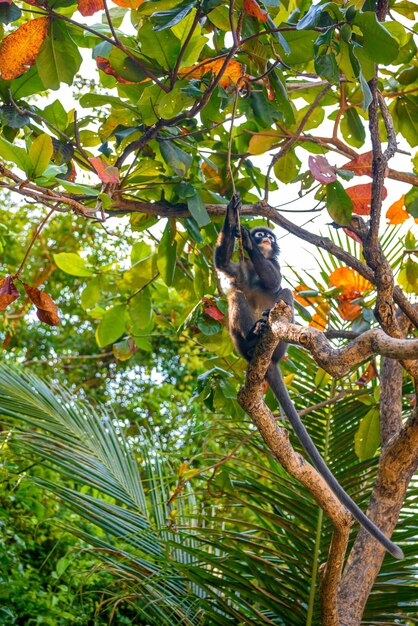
266, 241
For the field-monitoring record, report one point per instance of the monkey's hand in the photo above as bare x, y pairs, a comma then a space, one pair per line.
232, 212
247, 242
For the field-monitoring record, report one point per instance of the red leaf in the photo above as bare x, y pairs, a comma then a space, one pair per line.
90, 7
46, 309
214, 312
352, 235
251, 7
6, 1
361, 196
321, 170
361, 165
106, 173
8, 292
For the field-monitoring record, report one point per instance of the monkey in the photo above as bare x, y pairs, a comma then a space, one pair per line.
254, 288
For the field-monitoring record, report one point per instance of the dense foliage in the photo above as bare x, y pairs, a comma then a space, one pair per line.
125, 128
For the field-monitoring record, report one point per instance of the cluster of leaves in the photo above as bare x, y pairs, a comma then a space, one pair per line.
252, 558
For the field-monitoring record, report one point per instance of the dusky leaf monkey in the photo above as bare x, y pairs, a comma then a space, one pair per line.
255, 287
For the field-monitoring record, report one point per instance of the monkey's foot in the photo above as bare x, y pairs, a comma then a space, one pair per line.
258, 329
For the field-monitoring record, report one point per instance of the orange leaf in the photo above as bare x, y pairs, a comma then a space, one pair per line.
251, 7
233, 72
396, 213
18, 51
350, 282
319, 320
8, 292
104, 65
128, 4
211, 174
361, 196
361, 165
90, 7
46, 309
106, 173
348, 310
305, 300
368, 374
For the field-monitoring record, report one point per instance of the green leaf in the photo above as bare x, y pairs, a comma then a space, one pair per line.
176, 158
301, 44
411, 202
112, 326
326, 66
56, 114
339, 204
162, 46
367, 437
140, 250
9, 13
352, 128
13, 118
72, 263
167, 254
19, 156
140, 274
311, 18
167, 19
405, 116
367, 94
59, 58
140, 310
126, 67
378, 43
90, 296
198, 210
77, 188
287, 168
40, 154
90, 100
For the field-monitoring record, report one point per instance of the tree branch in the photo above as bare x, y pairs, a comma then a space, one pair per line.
339, 361
277, 439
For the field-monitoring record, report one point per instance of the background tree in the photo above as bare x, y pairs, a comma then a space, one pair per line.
120, 196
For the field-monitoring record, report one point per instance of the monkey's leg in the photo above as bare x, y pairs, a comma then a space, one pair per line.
241, 321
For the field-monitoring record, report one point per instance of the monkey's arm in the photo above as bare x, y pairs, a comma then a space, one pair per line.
267, 269
226, 238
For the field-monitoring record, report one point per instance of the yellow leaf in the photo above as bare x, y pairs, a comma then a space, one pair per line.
260, 142
18, 51
233, 72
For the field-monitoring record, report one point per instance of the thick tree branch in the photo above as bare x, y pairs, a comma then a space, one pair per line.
277, 439
339, 361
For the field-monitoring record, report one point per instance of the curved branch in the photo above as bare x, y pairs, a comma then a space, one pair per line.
339, 361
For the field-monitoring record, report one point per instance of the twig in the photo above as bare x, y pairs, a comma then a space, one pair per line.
34, 238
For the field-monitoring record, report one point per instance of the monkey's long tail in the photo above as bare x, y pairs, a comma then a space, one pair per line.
275, 380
